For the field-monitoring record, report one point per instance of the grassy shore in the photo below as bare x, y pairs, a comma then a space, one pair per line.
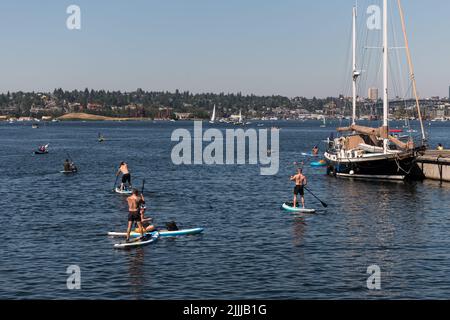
93, 117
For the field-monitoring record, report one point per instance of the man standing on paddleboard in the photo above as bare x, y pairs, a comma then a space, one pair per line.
134, 215
126, 176
300, 183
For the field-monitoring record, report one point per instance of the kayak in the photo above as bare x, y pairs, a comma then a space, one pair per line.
321, 163
125, 191
289, 207
148, 239
40, 152
162, 233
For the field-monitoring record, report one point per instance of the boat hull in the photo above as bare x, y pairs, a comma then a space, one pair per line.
389, 167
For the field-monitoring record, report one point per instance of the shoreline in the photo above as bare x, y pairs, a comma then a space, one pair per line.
93, 117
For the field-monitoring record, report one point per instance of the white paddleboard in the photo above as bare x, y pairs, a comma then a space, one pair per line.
133, 244
289, 207
125, 191
162, 233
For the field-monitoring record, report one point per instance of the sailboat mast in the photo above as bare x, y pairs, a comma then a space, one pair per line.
385, 76
355, 73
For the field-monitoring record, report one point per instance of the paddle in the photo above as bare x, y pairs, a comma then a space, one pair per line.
115, 183
323, 203
143, 184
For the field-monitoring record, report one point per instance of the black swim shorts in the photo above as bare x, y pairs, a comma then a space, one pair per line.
299, 190
126, 178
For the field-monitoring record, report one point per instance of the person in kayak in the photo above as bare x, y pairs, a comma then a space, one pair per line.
134, 213
69, 166
300, 184
126, 176
43, 148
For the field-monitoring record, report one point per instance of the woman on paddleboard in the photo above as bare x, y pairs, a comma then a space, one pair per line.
126, 176
300, 183
146, 222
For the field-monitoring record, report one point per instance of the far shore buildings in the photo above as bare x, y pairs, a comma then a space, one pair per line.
373, 94
183, 115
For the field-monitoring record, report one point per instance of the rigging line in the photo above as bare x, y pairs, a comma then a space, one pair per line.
401, 85
411, 69
393, 80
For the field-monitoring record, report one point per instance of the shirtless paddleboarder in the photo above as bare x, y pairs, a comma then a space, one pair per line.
134, 213
126, 177
300, 184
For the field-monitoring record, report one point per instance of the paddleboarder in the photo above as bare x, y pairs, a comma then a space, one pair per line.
300, 184
315, 151
146, 222
134, 213
126, 176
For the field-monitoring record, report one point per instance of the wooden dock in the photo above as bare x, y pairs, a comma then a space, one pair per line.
435, 165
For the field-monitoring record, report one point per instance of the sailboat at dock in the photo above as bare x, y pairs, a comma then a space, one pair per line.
372, 153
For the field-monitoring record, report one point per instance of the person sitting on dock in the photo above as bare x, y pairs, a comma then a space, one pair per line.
440, 147
126, 176
300, 184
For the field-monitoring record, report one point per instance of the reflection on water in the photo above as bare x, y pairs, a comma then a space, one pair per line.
137, 275
300, 226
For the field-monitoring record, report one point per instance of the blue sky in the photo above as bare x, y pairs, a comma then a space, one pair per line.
288, 47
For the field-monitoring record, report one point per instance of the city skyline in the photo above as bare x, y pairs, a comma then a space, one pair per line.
294, 48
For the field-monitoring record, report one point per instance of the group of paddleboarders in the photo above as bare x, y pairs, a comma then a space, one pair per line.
136, 205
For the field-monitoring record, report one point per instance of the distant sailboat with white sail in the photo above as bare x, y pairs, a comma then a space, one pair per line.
213, 117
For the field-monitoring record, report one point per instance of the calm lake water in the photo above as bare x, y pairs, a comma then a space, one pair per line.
250, 248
